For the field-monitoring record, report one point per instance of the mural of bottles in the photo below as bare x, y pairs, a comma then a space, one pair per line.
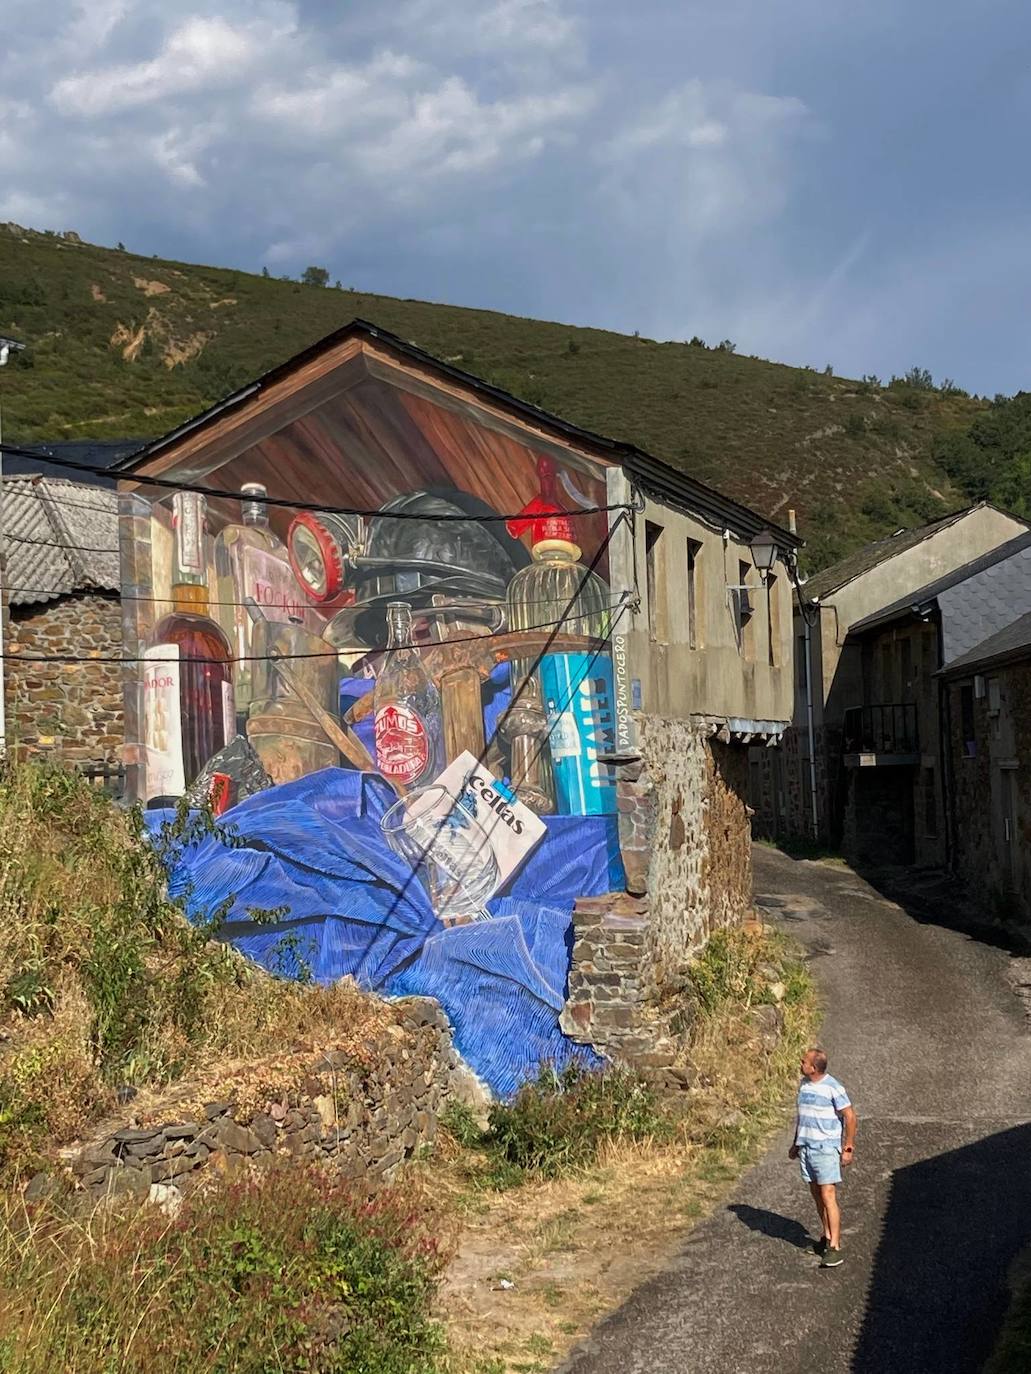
391, 645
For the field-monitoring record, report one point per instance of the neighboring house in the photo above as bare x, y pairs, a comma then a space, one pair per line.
627, 743
799, 791
988, 738
895, 739
60, 543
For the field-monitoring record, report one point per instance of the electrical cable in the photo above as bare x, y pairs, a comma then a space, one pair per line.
272, 658
610, 629
167, 600
217, 494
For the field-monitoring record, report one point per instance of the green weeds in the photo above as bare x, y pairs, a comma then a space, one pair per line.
293, 1271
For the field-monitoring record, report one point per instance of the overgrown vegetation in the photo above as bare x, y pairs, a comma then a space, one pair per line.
562, 1122
122, 345
105, 988
291, 1271
991, 459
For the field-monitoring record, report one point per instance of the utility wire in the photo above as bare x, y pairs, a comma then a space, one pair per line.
328, 653
168, 599
219, 494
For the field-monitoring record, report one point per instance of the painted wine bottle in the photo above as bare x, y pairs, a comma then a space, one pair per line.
188, 707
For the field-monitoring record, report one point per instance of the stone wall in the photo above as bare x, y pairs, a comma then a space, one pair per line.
700, 874
996, 872
686, 844
363, 1117
73, 710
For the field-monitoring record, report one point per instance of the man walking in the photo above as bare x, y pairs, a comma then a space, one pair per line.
823, 1109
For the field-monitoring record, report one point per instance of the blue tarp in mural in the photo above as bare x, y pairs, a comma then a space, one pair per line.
315, 848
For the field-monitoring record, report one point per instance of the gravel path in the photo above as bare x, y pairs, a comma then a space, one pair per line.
924, 1029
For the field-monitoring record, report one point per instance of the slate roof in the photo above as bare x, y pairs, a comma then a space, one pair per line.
924, 597
59, 537
1013, 642
100, 453
870, 556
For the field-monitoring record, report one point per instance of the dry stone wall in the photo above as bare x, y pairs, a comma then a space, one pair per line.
361, 1118
685, 839
699, 877
73, 710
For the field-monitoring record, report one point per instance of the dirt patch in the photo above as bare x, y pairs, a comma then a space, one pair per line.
129, 340
226, 300
151, 288
96, 292
178, 351
538, 1266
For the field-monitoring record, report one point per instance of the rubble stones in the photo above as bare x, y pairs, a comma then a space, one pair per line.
364, 1121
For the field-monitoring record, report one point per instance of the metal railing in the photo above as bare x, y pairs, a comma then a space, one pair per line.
887, 729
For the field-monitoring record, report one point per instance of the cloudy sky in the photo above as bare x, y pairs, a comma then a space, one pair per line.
821, 182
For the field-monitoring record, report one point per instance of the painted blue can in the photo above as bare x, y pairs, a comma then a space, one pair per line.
579, 694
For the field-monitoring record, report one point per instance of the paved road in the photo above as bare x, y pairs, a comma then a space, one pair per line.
925, 1030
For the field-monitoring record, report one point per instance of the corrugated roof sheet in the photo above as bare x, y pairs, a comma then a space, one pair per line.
870, 556
1012, 642
59, 537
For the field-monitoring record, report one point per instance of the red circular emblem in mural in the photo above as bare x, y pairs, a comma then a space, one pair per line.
402, 744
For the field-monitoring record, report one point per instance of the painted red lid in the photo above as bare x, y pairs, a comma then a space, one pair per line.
329, 552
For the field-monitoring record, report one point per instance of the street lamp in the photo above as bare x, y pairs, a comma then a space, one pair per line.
764, 554
7, 347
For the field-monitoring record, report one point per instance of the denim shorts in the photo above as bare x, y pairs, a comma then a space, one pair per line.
820, 1163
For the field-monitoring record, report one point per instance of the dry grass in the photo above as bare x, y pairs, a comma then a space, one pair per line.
574, 1248
103, 983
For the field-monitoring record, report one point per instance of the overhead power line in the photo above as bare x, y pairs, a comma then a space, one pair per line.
219, 494
619, 604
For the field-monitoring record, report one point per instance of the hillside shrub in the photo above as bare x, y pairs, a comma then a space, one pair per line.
291, 1271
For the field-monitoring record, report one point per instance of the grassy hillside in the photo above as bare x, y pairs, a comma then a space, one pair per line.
123, 345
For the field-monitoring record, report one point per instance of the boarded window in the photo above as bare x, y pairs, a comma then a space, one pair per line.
694, 548
772, 618
744, 609
655, 583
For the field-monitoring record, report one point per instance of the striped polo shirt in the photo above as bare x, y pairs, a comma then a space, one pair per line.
818, 1107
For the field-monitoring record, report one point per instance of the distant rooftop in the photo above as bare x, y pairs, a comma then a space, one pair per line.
59, 537
870, 556
98, 453
1013, 642
924, 597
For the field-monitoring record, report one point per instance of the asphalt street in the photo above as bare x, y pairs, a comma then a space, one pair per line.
924, 1029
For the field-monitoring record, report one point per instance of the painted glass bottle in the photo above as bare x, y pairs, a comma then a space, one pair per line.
188, 705
408, 724
252, 561
575, 688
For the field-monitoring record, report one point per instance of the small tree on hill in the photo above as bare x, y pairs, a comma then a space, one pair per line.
315, 276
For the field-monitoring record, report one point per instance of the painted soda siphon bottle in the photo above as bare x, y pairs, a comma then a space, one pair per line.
188, 706
252, 561
408, 723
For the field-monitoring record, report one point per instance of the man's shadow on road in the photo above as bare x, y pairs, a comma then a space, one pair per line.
772, 1224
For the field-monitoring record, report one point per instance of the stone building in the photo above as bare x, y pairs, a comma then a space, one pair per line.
988, 753
63, 605
638, 772
895, 735
799, 790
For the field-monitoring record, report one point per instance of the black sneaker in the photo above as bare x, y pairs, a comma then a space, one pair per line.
831, 1258
820, 1246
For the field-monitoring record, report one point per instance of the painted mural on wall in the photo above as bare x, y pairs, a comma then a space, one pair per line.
402, 719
